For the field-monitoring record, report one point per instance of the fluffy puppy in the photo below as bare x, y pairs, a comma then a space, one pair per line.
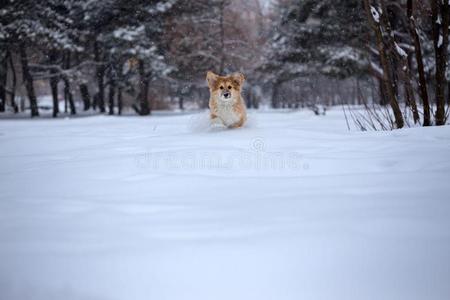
225, 102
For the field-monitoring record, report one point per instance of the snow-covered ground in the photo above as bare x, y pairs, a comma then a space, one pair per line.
293, 206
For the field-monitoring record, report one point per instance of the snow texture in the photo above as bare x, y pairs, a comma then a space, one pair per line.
293, 206
129, 34
375, 14
440, 41
400, 51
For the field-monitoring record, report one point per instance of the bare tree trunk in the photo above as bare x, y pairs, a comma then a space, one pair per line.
67, 90
100, 73
255, 102
181, 103
84, 92
28, 80
383, 97
402, 57
384, 59
54, 85
14, 84
248, 99
69, 95
448, 93
54, 90
66, 100
119, 101
144, 83
275, 91
73, 110
95, 101
112, 91
420, 68
409, 90
3, 79
440, 18
66, 93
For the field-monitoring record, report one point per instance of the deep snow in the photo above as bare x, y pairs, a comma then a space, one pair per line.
293, 206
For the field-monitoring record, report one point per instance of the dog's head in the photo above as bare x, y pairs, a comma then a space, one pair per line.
225, 88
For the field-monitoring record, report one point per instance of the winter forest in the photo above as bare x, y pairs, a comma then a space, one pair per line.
224, 149
117, 56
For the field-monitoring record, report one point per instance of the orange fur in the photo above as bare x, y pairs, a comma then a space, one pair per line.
231, 112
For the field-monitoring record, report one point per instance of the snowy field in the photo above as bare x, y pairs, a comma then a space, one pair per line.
293, 206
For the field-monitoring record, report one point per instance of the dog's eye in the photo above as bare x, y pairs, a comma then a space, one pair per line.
229, 87
221, 87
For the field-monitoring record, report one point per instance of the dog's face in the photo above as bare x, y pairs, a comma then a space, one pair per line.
225, 88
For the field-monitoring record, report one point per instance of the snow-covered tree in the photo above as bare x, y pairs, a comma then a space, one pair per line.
135, 44
316, 37
29, 25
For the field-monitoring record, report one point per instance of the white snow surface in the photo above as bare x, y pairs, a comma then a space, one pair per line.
293, 206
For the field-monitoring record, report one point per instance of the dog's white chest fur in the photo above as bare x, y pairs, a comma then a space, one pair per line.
227, 114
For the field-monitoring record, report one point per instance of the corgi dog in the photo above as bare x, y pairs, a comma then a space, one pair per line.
225, 103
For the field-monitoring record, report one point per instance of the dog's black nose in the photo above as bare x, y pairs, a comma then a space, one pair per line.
227, 95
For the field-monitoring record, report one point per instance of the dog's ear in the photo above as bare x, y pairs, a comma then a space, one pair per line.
211, 78
239, 77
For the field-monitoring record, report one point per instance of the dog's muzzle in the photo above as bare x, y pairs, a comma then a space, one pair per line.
226, 94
